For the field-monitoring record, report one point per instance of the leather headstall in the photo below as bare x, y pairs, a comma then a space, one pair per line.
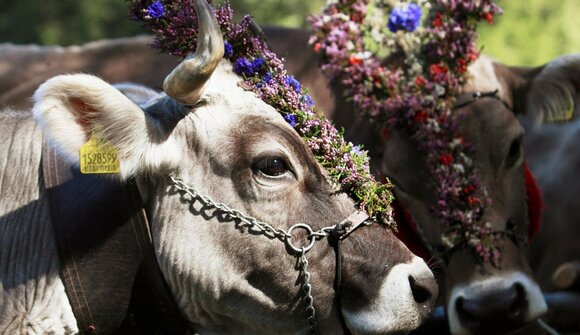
107, 260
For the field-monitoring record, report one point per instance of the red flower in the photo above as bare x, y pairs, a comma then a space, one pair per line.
446, 159
420, 116
489, 17
356, 17
353, 60
437, 21
472, 56
461, 65
420, 81
377, 76
438, 69
317, 47
473, 200
469, 189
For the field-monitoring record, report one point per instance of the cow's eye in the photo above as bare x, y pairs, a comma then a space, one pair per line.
515, 151
271, 166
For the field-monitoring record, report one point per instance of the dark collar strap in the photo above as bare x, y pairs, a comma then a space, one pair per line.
102, 238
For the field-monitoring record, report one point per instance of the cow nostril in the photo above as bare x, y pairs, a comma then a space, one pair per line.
519, 300
462, 311
420, 294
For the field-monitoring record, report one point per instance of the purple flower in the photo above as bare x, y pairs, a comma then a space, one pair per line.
292, 82
228, 49
155, 9
291, 119
405, 18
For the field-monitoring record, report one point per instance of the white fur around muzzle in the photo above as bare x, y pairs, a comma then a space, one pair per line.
394, 310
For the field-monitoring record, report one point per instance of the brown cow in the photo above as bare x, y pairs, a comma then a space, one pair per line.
24, 67
480, 299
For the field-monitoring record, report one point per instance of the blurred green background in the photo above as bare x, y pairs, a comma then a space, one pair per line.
530, 32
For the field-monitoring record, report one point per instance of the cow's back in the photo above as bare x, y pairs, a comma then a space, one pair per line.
32, 297
24, 67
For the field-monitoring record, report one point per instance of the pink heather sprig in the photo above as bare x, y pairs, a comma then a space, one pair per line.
175, 26
418, 94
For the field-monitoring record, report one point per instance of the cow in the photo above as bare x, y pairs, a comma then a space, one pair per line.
24, 67
224, 277
291, 44
479, 299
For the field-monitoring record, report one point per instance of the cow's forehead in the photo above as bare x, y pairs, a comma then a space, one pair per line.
483, 78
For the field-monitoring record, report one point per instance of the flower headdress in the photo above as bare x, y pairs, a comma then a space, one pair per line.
415, 89
175, 25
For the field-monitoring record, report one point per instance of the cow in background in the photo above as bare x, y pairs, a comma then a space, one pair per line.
24, 67
479, 299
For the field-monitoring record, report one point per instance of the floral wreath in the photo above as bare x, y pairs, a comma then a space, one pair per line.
415, 89
175, 26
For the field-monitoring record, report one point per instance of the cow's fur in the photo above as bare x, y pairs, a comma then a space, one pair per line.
224, 278
33, 300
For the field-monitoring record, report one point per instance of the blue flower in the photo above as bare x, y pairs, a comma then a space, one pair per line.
228, 49
267, 78
405, 18
155, 9
291, 81
308, 100
291, 119
257, 64
243, 66
357, 150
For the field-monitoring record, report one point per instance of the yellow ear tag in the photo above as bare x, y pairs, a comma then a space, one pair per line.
98, 156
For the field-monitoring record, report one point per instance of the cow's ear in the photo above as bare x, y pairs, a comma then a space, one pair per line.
72, 108
550, 93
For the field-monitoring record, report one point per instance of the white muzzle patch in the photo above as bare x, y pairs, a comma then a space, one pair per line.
395, 308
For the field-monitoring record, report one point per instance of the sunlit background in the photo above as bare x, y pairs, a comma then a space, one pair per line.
530, 32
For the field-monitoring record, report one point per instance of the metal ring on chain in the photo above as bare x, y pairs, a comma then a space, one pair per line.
310, 236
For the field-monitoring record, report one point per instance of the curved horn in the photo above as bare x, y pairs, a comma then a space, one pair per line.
185, 83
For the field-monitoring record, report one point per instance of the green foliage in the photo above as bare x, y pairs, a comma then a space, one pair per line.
64, 21
530, 32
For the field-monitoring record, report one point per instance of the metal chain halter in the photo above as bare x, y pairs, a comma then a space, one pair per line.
340, 230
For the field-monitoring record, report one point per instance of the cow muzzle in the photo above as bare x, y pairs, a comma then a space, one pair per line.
405, 300
497, 305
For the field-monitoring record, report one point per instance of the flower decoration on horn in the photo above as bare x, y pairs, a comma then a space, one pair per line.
407, 74
264, 73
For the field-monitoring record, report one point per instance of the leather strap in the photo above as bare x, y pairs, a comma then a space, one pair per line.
102, 237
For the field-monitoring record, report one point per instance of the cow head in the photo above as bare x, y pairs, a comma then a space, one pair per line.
481, 298
238, 150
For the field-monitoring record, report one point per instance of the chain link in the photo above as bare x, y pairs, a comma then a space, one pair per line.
307, 288
273, 233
